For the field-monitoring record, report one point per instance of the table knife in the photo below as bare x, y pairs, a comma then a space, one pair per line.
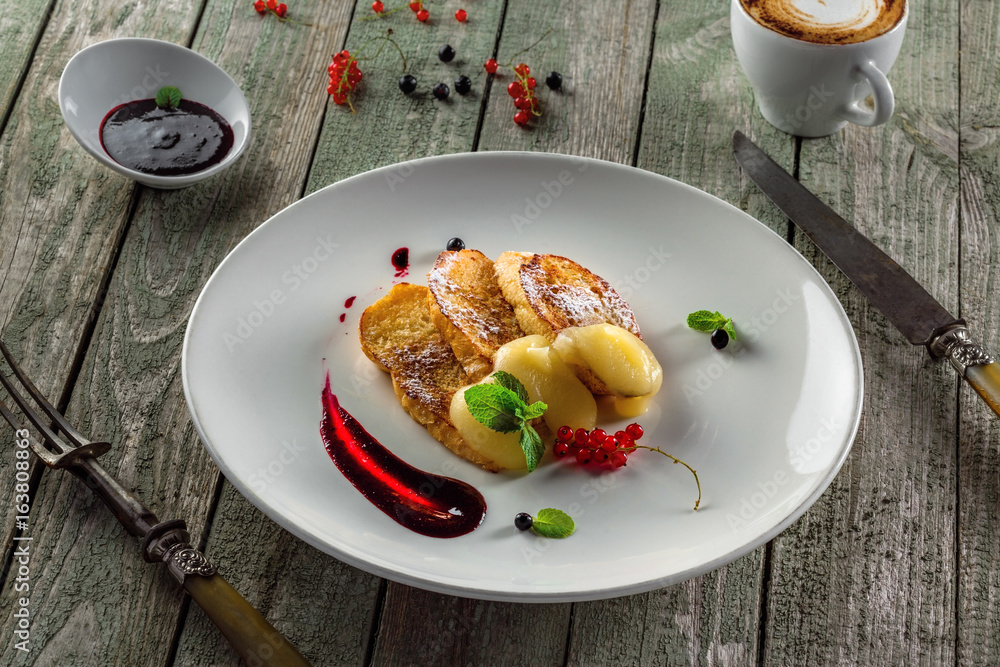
904, 302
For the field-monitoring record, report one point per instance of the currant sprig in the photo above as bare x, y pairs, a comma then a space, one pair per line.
279, 9
345, 74
602, 448
264, 7
523, 89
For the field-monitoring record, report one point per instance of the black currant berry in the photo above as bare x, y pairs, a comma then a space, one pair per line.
446, 53
720, 339
463, 85
554, 81
455, 244
523, 521
441, 91
408, 83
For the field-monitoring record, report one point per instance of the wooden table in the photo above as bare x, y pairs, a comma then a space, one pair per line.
897, 563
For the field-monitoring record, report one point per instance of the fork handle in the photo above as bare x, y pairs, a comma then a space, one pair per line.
253, 637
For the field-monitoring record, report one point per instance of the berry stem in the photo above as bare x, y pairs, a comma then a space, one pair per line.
694, 472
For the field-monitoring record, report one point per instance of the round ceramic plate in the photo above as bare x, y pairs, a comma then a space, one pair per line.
766, 422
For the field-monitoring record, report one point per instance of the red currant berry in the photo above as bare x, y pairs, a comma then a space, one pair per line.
581, 436
515, 89
423, 15
584, 456
378, 7
565, 434
531, 82
522, 103
271, 4
260, 7
281, 9
339, 98
597, 437
561, 450
491, 66
619, 458
416, 6
522, 69
460, 16
634, 431
609, 444
622, 437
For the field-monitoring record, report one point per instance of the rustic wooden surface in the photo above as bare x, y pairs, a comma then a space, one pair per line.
896, 564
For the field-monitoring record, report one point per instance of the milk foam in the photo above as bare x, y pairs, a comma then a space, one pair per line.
827, 21
833, 13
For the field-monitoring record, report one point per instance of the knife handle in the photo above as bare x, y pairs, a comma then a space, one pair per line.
972, 362
253, 637
248, 632
986, 381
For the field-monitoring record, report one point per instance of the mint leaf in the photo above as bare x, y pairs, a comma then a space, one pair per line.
508, 381
168, 97
531, 444
502, 406
706, 320
730, 329
554, 523
535, 410
495, 407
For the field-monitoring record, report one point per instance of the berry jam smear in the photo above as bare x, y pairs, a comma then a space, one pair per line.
425, 503
166, 142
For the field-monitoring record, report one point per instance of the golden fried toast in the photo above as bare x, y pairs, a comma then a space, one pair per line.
398, 333
551, 293
469, 309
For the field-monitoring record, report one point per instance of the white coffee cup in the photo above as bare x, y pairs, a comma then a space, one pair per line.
811, 89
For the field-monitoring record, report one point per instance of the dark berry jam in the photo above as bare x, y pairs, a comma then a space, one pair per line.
166, 142
350, 301
425, 503
401, 261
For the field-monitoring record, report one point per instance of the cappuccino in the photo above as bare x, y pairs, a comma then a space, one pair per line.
827, 21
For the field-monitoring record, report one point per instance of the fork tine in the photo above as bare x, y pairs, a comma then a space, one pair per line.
75, 437
32, 416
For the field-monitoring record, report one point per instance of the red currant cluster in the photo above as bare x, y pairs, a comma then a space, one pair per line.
279, 9
417, 8
344, 77
522, 90
597, 446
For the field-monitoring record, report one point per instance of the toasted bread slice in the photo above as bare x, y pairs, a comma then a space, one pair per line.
551, 293
469, 309
398, 333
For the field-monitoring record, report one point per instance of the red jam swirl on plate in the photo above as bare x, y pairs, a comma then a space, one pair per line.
425, 503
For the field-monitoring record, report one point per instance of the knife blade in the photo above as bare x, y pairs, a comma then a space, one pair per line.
903, 301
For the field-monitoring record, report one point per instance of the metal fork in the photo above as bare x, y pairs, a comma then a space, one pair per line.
256, 640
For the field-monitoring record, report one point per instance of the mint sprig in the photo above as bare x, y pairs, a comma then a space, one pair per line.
706, 320
503, 406
168, 97
554, 523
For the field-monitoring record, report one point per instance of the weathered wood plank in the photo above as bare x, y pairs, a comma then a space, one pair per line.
602, 50
19, 32
389, 126
868, 575
122, 611
61, 214
696, 97
978, 435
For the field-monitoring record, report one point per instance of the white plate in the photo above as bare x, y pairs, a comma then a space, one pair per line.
767, 428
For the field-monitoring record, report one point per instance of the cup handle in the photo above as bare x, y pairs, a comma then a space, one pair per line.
881, 94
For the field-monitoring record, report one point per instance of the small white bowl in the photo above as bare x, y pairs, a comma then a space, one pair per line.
107, 74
